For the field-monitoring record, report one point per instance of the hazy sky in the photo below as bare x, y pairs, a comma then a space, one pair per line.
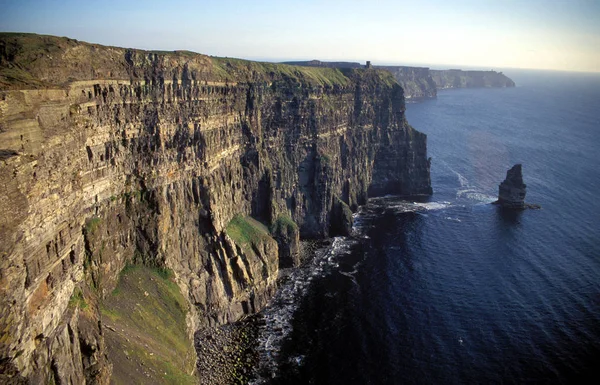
563, 35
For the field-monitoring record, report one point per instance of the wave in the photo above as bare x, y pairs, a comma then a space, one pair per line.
453, 219
467, 190
475, 195
277, 318
462, 180
429, 206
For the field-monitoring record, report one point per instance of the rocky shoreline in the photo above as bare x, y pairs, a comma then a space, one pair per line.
228, 354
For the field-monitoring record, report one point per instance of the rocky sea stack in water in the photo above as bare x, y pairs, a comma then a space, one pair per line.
512, 191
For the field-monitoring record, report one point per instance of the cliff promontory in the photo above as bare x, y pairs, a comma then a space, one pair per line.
140, 184
420, 83
445, 79
416, 81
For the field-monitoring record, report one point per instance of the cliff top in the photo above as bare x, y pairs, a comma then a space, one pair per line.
329, 64
42, 61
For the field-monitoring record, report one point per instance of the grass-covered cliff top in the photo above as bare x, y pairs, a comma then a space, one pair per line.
39, 61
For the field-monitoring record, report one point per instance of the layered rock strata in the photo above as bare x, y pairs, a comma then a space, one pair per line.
112, 156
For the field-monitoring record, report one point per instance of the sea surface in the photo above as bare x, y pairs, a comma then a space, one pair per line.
451, 289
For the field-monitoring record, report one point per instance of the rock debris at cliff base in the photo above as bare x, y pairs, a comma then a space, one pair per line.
230, 353
227, 354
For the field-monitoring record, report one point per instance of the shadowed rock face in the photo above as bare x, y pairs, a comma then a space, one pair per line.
112, 156
512, 190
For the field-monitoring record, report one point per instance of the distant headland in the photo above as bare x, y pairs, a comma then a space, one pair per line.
420, 83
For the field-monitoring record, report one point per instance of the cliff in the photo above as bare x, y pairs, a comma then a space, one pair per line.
421, 83
206, 168
416, 81
445, 79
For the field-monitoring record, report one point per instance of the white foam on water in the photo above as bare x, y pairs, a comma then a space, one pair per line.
350, 275
277, 317
475, 195
482, 198
452, 219
433, 205
461, 179
463, 193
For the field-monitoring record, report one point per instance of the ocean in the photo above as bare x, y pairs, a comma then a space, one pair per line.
451, 289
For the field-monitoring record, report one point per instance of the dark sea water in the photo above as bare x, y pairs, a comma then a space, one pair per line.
452, 290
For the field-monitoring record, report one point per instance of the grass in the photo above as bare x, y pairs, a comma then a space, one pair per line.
284, 224
245, 231
229, 68
77, 300
91, 225
147, 335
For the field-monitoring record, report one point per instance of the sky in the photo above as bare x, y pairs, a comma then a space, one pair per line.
557, 35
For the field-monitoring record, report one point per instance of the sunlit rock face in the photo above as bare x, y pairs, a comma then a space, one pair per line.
110, 156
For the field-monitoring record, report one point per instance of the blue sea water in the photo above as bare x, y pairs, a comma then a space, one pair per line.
451, 289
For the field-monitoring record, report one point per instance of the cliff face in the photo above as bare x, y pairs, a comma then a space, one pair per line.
416, 81
470, 79
111, 156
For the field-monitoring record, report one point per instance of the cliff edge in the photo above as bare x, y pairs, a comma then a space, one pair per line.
207, 168
421, 83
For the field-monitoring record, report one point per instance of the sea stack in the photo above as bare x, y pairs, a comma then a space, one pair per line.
511, 193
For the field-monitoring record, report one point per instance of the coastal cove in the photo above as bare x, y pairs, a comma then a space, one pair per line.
452, 289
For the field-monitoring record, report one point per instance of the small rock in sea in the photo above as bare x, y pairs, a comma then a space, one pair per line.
512, 191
